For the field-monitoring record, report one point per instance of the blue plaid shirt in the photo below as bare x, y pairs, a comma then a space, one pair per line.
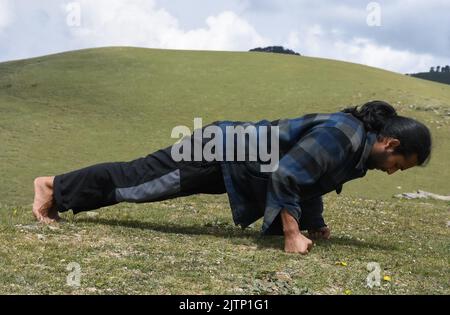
318, 154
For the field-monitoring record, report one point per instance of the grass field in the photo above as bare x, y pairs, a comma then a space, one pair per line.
66, 111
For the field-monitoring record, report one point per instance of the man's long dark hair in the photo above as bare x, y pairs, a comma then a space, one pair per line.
381, 118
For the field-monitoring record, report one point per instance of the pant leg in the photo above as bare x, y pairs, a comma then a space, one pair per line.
86, 189
153, 178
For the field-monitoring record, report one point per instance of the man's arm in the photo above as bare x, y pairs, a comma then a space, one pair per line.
312, 219
322, 150
294, 241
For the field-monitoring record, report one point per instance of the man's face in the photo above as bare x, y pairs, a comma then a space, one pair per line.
384, 159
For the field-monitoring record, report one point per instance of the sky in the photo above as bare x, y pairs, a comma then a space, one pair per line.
404, 36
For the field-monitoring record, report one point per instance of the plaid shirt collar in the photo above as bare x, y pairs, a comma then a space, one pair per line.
370, 141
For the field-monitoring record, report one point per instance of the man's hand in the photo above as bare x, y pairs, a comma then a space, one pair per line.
294, 241
323, 233
297, 244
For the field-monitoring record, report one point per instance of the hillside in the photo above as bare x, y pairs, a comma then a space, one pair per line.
442, 77
74, 109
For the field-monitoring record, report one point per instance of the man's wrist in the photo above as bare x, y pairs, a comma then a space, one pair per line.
291, 233
290, 224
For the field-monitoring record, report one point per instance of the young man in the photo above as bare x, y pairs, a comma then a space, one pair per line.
317, 153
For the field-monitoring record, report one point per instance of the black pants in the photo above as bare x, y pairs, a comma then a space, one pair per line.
153, 178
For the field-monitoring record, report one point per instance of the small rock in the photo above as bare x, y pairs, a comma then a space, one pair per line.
283, 276
41, 237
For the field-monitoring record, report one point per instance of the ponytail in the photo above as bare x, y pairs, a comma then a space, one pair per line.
374, 114
382, 118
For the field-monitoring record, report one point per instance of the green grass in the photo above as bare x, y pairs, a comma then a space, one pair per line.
190, 246
66, 111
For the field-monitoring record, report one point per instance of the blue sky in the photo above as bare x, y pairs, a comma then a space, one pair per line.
403, 36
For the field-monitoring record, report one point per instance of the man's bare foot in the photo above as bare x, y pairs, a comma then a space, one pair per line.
43, 206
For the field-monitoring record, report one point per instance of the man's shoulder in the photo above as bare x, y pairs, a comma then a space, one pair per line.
343, 123
350, 126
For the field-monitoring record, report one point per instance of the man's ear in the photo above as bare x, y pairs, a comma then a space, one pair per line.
392, 143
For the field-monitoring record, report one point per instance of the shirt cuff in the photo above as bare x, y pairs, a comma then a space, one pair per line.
272, 224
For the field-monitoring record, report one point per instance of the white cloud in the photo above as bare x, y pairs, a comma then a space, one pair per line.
226, 31
141, 23
323, 29
41, 28
315, 41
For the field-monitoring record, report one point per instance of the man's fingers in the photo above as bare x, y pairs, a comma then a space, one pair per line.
326, 232
314, 234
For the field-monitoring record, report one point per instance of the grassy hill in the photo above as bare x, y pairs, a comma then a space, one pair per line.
442, 77
70, 110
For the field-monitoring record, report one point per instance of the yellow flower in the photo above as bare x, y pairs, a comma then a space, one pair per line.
341, 263
348, 292
387, 278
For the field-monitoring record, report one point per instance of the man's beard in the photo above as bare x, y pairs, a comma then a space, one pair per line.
376, 160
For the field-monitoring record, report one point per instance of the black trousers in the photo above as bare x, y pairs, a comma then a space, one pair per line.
153, 178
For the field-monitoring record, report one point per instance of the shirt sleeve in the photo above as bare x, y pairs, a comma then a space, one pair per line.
322, 150
312, 214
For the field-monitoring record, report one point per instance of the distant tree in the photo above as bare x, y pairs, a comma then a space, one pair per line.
276, 50
438, 74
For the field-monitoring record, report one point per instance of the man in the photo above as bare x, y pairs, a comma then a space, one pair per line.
318, 154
